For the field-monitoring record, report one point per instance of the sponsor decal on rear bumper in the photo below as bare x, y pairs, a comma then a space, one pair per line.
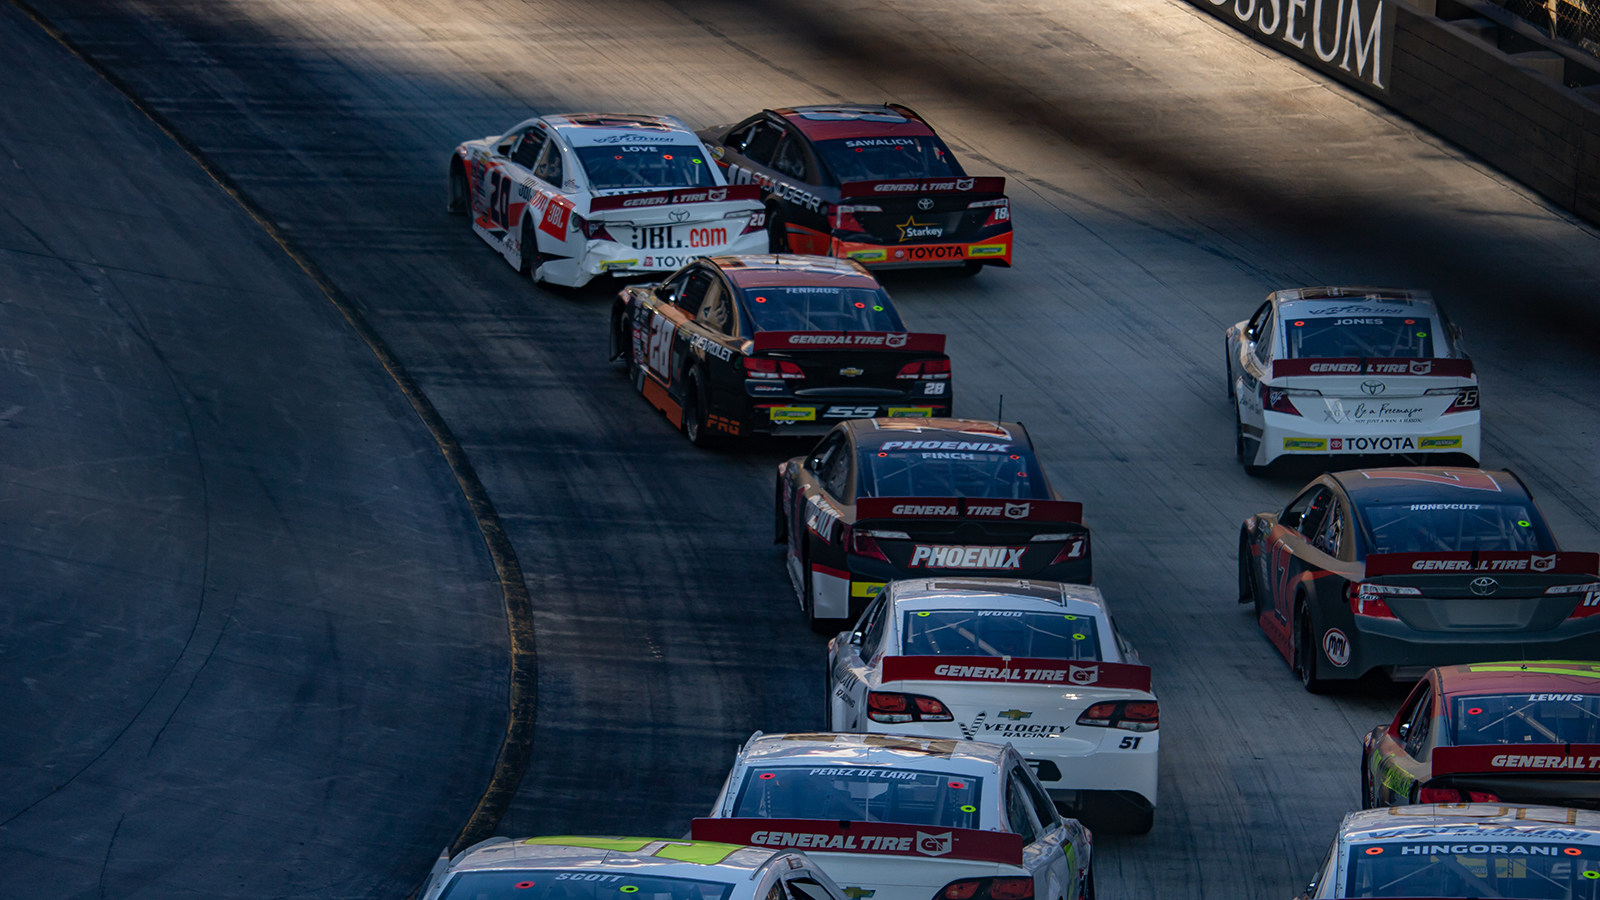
792, 413
946, 557
911, 412
866, 589
1373, 444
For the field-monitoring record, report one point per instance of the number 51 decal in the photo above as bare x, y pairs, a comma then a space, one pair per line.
1129, 743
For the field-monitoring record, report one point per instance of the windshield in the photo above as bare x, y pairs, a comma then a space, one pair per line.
1359, 336
1525, 719
1524, 870
1012, 473
860, 794
547, 884
999, 632
645, 166
1444, 527
821, 309
887, 158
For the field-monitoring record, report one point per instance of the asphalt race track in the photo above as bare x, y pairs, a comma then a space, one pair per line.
1165, 174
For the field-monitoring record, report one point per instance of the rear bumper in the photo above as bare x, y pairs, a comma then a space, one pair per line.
1383, 643
848, 592
1576, 792
993, 251
612, 258
1286, 435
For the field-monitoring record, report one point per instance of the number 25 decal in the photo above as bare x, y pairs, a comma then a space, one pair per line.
1129, 743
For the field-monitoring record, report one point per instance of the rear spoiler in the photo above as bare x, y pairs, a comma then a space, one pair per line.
911, 187
847, 340
1457, 368
878, 838
1520, 759
1016, 670
647, 199
1559, 563
969, 507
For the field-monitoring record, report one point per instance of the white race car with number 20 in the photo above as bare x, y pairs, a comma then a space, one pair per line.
566, 198
1035, 663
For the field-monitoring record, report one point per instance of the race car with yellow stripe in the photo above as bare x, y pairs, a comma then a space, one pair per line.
1517, 732
732, 346
883, 499
870, 183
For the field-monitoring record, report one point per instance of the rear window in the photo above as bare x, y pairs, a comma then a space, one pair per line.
1359, 336
887, 158
1444, 527
1472, 866
1012, 473
549, 884
860, 794
645, 166
999, 632
1532, 718
821, 309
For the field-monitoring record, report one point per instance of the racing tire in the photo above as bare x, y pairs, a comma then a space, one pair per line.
1227, 366
777, 232
1306, 654
969, 269
1242, 448
530, 262
1247, 576
694, 423
1086, 891
616, 347
780, 522
1369, 799
455, 202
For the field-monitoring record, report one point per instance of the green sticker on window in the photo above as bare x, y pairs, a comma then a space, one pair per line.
1070, 618
1591, 874
1524, 523
1422, 334
969, 808
629, 888
1080, 637
924, 614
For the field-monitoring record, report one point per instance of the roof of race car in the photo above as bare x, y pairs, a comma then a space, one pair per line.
849, 120
787, 269
948, 754
663, 856
989, 593
591, 129
1346, 301
1430, 485
1519, 676
871, 433
1353, 295
1434, 821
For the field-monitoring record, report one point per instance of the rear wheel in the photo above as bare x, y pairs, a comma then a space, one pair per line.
1086, 891
1245, 448
777, 232
780, 522
969, 269
694, 417
1247, 579
456, 201
1227, 366
1368, 798
531, 258
1306, 654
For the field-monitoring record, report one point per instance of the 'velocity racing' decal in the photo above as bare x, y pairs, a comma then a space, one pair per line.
1554, 563
1016, 670
882, 838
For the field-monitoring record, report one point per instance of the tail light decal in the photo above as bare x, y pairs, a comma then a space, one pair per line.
1129, 715
883, 838
1454, 795
987, 889
896, 708
915, 342
1016, 670
1554, 563
1548, 759
1449, 368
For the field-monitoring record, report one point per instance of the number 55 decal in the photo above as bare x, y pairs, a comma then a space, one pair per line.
1129, 743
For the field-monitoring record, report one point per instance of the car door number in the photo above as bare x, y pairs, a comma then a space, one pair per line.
499, 199
1130, 743
662, 331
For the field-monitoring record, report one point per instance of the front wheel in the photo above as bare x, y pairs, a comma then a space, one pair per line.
456, 202
780, 522
1369, 798
1245, 449
531, 260
1086, 891
694, 415
777, 232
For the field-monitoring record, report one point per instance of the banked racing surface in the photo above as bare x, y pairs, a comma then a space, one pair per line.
1164, 175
